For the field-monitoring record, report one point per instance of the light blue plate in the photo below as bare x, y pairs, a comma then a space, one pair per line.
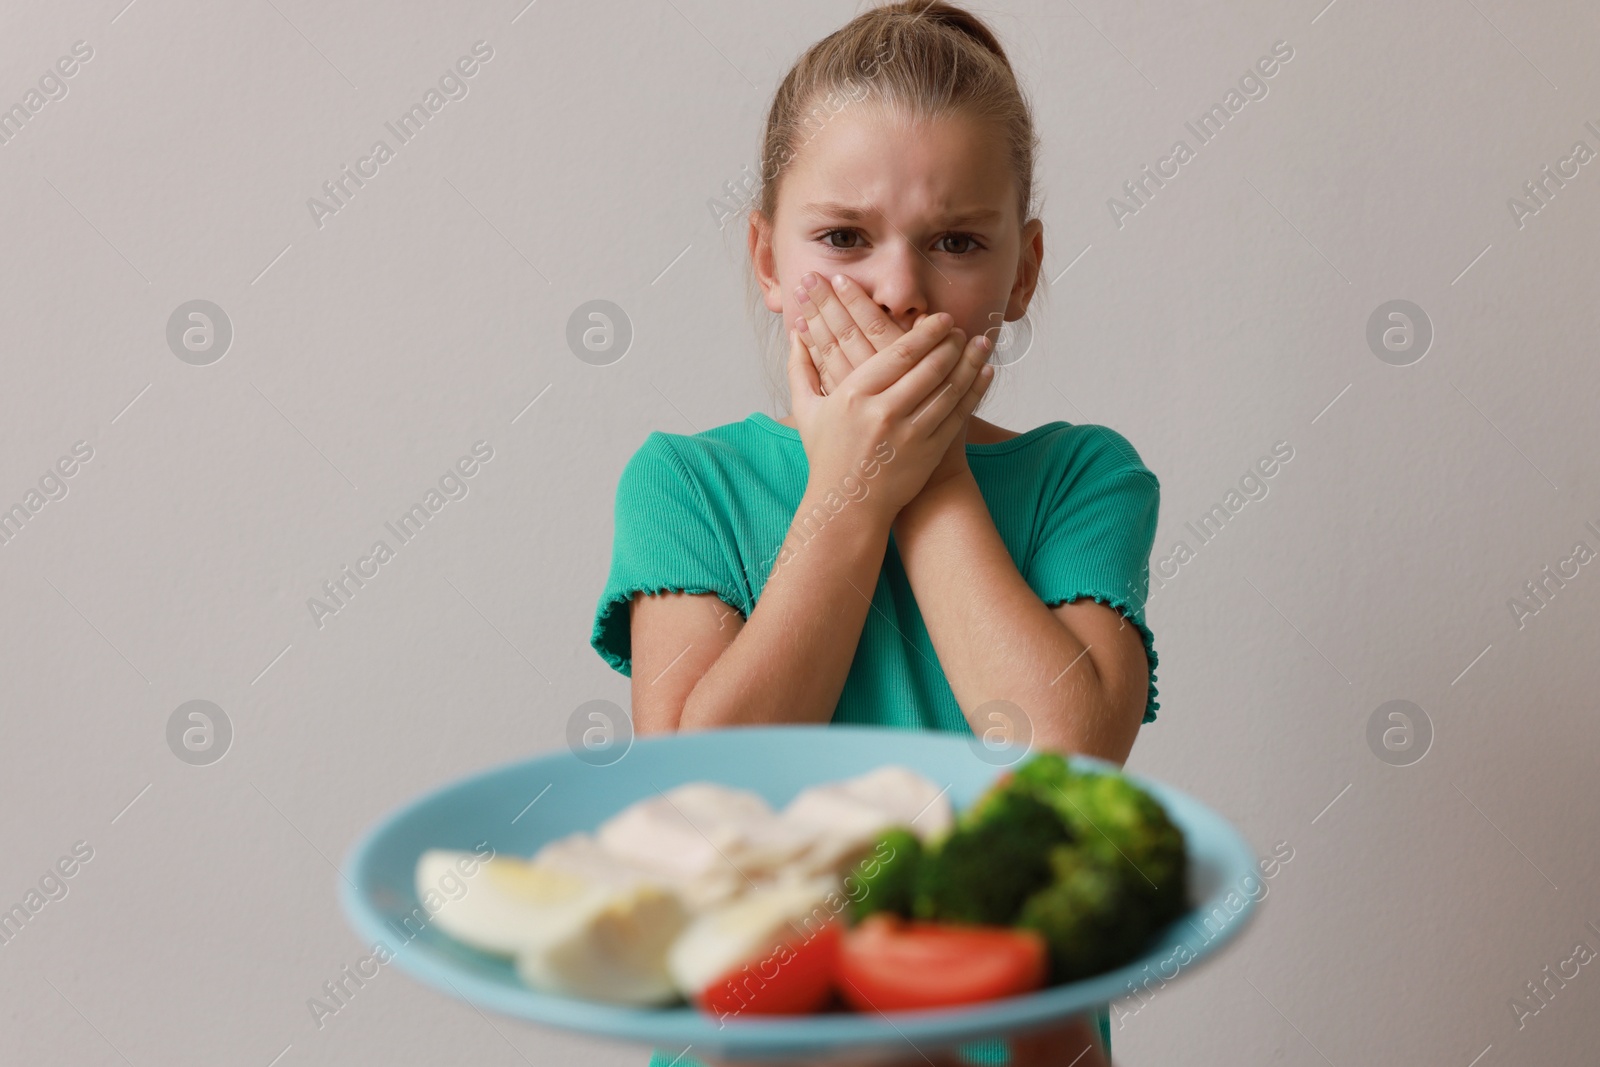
776, 762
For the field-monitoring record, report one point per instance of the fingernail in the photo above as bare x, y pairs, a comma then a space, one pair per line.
839, 281
802, 296
800, 324
810, 279
984, 343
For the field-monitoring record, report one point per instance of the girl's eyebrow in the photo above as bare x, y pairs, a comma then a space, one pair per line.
842, 212
974, 215
829, 209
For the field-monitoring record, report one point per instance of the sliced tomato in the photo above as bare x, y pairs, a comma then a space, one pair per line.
794, 978
887, 963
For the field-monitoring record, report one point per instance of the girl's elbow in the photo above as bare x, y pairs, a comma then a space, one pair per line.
652, 715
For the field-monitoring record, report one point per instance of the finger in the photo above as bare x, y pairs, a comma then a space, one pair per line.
830, 354
1078, 1037
967, 403
929, 381
823, 303
825, 376
881, 330
930, 377
928, 410
803, 380
889, 366
973, 359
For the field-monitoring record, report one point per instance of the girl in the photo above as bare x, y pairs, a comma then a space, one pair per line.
880, 554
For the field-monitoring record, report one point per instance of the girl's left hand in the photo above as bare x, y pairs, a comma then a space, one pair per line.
844, 328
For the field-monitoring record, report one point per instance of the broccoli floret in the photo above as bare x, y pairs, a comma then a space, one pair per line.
1089, 859
1040, 771
984, 868
883, 878
1129, 830
1118, 823
1085, 916
978, 810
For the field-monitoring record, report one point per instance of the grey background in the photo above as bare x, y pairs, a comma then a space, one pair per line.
369, 354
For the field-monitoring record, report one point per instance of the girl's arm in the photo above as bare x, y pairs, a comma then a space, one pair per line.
1078, 671
698, 665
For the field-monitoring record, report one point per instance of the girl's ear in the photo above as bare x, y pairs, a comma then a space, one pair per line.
1030, 259
760, 241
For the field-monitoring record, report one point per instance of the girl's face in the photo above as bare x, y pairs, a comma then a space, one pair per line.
922, 216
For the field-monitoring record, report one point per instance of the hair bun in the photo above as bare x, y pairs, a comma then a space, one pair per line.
924, 58
941, 13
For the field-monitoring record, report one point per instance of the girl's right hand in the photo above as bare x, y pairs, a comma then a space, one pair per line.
1074, 1042
900, 410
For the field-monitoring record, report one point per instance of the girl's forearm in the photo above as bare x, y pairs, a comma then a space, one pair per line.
994, 637
789, 662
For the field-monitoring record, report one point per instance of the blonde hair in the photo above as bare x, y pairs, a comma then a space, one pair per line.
918, 59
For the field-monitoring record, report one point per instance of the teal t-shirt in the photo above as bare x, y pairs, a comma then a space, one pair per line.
709, 513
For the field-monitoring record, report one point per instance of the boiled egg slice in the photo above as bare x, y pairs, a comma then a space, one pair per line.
604, 937
749, 928
617, 954
506, 902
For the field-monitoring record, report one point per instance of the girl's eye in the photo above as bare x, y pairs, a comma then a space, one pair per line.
827, 239
967, 238
968, 242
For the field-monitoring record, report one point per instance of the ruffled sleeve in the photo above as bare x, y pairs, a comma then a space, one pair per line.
1096, 537
666, 539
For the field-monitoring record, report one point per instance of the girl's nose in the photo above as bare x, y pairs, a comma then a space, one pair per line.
899, 293
903, 319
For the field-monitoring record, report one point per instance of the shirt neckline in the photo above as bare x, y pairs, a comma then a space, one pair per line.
992, 448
